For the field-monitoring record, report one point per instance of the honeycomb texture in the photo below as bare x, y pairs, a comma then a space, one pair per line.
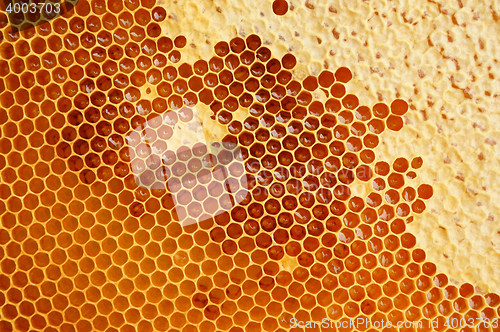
85, 247
439, 56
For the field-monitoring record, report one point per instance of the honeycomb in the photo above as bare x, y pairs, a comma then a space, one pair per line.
88, 245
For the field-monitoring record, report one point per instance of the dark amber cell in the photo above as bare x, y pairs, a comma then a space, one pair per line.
49, 61
174, 56
338, 90
253, 42
343, 75
115, 6
221, 49
263, 54
332, 105
310, 83
71, 41
319, 151
409, 194
216, 64
466, 290
304, 98
237, 45
38, 45
287, 103
364, 173
142, 17
417, 162
211, 80
225, 77
476, 302
394, 123
381, 110
326, 79
316, 109
396, 181
180, 41
245, 100
376, 126
93, 24
17, 66
280, 7
349, 160
411, 175
491, 299
268, 81
232, 62
252, 85
332, 164
382, 168
7, 50
358, 129
224, 117
350, 102
425, 191
429, 269
126, 20
98, 7
159, 14
288, 61
367, 156
392, 196
399, 107
148, 48
284, 77
293, 88
109, 21
418, 206
354, 144
165, 44
200, 67
295, 127
337, 148
257, 69
400, 165
22, 48
170, 73
180, 86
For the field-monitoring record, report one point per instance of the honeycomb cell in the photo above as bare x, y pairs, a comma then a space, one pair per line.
399, 107
394, 123
280, 7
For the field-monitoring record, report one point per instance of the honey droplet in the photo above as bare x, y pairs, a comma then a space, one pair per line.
280, 7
